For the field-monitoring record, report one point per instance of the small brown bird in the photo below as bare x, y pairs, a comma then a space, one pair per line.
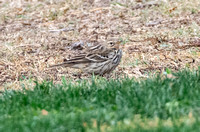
98, 59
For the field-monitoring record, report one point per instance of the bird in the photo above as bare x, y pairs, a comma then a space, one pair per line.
97, 47
98, 59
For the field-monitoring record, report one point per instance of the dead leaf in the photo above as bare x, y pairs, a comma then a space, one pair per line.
44, 112
173, 9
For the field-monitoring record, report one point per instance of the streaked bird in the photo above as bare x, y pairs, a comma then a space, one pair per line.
98, 59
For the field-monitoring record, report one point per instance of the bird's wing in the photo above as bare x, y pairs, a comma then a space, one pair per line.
82, 60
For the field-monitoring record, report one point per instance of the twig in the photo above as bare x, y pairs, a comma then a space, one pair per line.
148, 4
62, 30
153, 23
24, 45
101, 8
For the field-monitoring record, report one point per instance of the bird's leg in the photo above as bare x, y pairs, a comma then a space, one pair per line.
107, 76
78, 74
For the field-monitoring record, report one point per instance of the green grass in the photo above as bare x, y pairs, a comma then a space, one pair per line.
167, 104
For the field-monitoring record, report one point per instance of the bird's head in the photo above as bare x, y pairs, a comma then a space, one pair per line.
115, 44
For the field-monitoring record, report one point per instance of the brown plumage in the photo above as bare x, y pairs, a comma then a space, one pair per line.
98, 59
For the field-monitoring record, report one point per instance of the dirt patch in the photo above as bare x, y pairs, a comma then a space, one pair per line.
157, 36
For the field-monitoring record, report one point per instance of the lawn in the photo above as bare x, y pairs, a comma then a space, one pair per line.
148, 91
157, 104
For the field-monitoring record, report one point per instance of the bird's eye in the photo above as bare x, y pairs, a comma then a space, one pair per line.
111, 43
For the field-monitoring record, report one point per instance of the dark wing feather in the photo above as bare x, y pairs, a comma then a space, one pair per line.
82, 60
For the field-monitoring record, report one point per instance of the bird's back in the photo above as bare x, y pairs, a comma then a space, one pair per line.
97, 59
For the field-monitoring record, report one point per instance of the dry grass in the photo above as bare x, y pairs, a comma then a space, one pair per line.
156, 35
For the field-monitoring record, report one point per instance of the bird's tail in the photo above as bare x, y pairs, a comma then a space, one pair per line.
61, 64
78, 63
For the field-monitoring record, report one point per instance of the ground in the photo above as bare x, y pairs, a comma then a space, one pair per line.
158, 36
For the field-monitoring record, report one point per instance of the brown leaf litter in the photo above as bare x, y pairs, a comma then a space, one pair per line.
156, 36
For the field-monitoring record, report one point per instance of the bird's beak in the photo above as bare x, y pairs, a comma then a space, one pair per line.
119, 42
